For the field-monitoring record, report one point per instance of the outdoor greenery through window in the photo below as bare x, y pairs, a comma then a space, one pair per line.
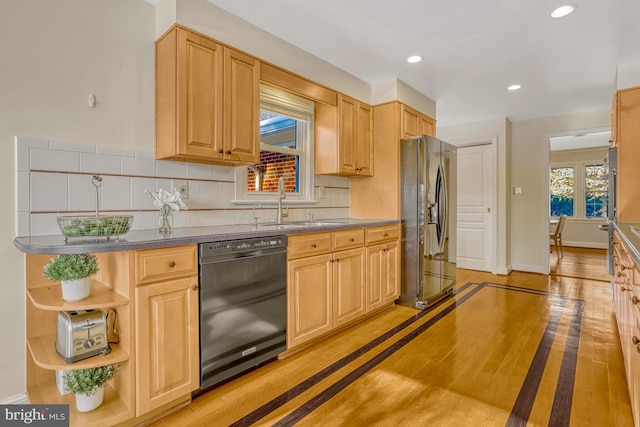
561, 190
596, 191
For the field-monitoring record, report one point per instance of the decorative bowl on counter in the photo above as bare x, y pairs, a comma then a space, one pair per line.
94, 225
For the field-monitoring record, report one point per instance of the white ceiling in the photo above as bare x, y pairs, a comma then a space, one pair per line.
472, 49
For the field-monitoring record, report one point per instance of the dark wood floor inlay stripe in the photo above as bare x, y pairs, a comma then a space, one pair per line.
561, 409
524, 402
295, 391
298, 414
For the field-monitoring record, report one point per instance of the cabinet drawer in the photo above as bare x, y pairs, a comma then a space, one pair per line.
153, 265
380, 234
347, 239
308, 245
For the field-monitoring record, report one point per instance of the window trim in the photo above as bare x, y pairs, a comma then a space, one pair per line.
297, 107
579, 188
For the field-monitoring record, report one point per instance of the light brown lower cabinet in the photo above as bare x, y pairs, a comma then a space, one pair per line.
626, 291
334, 280
383, 262
167, 361
308, 299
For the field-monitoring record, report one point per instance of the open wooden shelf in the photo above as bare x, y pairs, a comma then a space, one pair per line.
50, 298
112, 411
43, 351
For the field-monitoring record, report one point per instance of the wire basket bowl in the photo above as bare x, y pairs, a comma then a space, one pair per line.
94, 225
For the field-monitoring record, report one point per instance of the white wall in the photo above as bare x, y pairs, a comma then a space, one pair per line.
497, 130
529, 170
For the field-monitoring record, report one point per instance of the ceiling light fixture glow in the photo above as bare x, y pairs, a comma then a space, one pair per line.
563, 11
514, 87
413, 59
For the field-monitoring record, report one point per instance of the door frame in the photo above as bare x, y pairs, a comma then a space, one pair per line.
493, 141
546, 266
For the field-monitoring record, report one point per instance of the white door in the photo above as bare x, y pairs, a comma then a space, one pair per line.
475, 201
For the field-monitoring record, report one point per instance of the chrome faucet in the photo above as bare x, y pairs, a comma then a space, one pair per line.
281, 195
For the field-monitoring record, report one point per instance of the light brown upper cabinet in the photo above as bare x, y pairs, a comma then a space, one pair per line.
379, 196
627, 131
415, 123
207, 100
344, 138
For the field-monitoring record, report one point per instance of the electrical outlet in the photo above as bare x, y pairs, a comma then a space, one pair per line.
322, 192
182, 186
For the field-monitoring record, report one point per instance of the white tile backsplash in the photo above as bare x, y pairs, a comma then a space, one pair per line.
71, 146
140, 200
116, 193
22, 193
199, 171
64, 187
100, 163
48, 191
54, 160
138, 166
82, 193
199, 218
170, 169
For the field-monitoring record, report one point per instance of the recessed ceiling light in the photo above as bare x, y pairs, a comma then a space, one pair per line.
514, 87
563, 11
413, 59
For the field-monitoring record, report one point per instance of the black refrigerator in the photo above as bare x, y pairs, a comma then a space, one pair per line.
428, 270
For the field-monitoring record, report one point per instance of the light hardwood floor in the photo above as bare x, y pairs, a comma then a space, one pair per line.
584, 263
523, 349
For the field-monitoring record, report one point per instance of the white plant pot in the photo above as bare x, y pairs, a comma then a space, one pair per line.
86, 403
75, 290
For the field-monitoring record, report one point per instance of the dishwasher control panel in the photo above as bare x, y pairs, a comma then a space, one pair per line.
243, 245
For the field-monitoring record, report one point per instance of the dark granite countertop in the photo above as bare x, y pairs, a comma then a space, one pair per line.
145, 239
630, 234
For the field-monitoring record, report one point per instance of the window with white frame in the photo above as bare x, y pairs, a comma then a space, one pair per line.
579, 190
286, 150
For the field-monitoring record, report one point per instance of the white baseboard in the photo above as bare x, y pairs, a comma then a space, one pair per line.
589, 245
529, 268
503, 271
16, 399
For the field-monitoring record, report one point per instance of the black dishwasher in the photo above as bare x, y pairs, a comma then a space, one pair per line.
243, 305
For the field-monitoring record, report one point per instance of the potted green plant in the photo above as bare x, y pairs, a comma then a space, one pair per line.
88, 385
74, 271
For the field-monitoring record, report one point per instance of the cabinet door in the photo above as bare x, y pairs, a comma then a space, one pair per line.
199, 109
427, 126
375, 277
364, 140
348, 111
348, 286
391, 269
167, 348
410, 122
308, 299
614, 121
241, 107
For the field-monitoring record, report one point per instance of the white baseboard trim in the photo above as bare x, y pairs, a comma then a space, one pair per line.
16, 399
503, 271
590, 245
529, 268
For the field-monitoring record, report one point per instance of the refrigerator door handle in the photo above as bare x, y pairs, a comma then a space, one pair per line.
443, 206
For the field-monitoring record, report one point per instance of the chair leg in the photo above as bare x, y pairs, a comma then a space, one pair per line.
561, 253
